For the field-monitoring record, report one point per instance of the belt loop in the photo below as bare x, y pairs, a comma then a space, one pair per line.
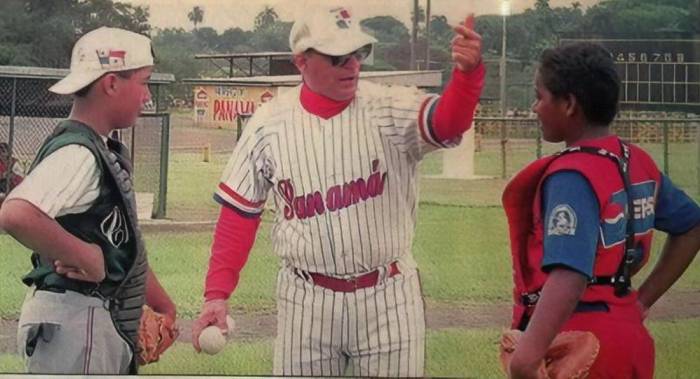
304, 275
383, 273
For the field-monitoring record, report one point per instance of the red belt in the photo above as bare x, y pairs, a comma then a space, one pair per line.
369, 279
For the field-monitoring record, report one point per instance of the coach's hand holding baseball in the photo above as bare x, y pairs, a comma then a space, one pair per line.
214, 312
466, 45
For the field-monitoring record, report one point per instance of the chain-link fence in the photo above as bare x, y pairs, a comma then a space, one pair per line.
505, 145
148, 142
29, 113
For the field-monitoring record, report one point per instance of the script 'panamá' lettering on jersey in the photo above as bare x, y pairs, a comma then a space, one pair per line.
337, 197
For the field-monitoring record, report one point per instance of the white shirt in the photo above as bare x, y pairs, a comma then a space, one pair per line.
65, 182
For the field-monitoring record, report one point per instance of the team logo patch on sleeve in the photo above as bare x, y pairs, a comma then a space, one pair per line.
562, 221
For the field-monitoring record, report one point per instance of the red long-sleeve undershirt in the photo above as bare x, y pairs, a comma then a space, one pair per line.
233, 238
235, 234
454, 112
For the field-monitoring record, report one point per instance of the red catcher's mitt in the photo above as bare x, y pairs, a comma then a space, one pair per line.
156, 333
570, 355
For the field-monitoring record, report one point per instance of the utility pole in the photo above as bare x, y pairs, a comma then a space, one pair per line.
414, 35
505, 11
502, 66
427, 35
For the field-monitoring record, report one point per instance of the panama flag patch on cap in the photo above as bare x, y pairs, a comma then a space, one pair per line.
342, 17
111, 59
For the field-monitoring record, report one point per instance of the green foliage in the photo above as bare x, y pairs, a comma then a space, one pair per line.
42, 33
392, 52
175, 50
266, 18
271, 37
235, 40
639, 18
386, 29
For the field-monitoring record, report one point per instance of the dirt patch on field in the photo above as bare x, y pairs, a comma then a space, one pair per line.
674, 306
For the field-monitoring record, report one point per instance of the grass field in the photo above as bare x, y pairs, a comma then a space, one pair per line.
461, 247
464, 353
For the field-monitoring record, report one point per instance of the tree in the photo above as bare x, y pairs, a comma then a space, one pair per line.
542, 4
641, 19
386, 29
42, 33
196, 15
234, 40
272, 37
207, 39
266, 18
393, 48
175, 49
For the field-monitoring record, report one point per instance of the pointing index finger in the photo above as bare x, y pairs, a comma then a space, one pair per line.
469, 21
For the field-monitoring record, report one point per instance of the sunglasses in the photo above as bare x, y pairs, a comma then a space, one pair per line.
341, 60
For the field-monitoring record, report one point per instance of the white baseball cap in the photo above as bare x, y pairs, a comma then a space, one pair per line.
101, 51
331, 31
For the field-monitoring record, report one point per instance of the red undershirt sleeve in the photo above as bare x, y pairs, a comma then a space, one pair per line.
454, 112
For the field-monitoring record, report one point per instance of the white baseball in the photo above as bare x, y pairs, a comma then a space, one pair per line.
211, 340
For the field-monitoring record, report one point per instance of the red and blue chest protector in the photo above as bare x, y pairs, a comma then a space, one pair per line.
527, 223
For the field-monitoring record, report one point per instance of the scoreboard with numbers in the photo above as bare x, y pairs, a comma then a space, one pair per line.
656, 74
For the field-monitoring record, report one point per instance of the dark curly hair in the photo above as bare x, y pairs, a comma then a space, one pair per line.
587, 71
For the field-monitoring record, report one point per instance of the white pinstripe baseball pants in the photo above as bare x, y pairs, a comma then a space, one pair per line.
375, 331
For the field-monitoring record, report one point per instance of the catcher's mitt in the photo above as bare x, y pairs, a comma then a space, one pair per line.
156, 333
570, 355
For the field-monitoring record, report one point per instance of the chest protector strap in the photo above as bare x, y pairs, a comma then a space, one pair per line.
128, 299
621, 280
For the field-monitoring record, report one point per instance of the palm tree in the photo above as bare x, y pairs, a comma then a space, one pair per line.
267, 17
196, 15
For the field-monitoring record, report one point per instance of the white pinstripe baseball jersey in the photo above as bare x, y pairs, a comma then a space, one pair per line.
345, 188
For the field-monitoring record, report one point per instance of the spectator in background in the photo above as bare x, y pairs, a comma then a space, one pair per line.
11, 171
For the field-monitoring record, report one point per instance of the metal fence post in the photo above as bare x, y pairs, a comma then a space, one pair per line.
665, 129
164, 151
11, 136
697, 152
504, 140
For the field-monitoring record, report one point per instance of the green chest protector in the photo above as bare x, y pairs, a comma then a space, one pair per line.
111, 223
